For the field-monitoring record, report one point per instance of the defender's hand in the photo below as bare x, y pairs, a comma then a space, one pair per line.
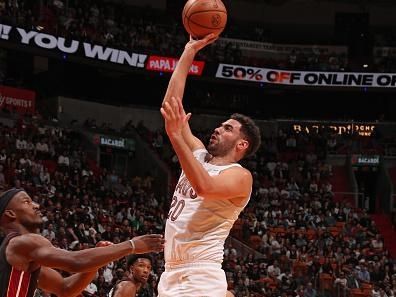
148, 243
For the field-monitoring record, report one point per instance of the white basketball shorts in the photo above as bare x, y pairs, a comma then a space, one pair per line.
193, 280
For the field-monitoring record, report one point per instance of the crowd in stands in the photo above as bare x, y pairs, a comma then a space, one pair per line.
303, 242
148, 30
309, 244
385, 50
79, 208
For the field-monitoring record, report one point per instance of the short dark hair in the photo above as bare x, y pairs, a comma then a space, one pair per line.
251, 132
131, 259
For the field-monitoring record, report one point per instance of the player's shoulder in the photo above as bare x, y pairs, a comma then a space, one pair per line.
239, 170
33, 236
28, 240
126, 286
201, 152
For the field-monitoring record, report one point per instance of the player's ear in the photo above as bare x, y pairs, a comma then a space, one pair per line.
9, 214
243, 144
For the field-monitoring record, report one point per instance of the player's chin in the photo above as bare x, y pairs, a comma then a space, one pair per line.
212, 149
38, 221
143, 279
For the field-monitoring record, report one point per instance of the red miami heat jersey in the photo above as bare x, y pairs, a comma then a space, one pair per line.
196, 228
13, 282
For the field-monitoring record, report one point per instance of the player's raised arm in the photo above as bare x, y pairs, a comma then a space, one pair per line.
178, 79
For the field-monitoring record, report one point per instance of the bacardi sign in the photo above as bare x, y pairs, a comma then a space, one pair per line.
120, 143
339, 128
114, 142
365, 160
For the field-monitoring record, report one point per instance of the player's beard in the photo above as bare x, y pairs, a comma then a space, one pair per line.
218, 148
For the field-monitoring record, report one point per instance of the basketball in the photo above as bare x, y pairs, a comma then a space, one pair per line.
202, 17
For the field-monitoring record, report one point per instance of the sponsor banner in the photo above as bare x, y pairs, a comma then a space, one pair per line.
306, 78
19, 100
167, 64
281, 49
114, 142
363, 160
71, 47
385, 51
340, 128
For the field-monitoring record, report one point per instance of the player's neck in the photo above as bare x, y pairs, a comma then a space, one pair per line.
18, 229
222, 160
138, 284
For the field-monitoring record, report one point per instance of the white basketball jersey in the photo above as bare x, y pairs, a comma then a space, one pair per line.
197, 228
